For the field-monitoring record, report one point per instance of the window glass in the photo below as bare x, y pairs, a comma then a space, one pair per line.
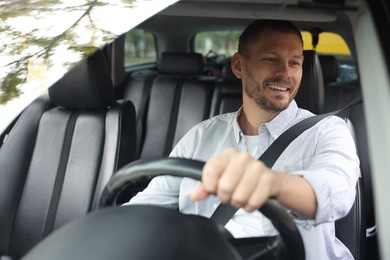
225, 43
217, 45
140, 48
328, 43
42, 40
333, 44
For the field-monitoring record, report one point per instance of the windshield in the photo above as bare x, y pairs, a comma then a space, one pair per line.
41, 40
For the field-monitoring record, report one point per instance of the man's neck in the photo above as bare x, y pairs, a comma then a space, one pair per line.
252, 117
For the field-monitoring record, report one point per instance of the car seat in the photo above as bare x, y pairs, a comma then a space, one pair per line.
60, 153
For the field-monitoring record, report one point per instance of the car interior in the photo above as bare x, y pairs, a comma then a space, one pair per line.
62, 150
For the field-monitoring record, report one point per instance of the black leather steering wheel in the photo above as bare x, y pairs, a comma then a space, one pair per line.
143, 232
289, 237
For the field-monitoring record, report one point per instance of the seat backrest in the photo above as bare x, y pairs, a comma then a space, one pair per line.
310, 95
60, 154
227, 96
168, 103
351, 229
330, 68
179, 99
136, 88
361, 218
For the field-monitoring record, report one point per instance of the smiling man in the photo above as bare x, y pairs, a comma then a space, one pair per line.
314, 177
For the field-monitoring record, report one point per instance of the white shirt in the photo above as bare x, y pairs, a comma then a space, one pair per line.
325, 155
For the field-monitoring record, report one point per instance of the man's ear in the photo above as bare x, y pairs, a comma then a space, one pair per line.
236, 65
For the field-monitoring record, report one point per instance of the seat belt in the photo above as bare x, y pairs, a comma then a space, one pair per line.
225, 212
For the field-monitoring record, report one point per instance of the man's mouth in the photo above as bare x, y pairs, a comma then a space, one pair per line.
276, 87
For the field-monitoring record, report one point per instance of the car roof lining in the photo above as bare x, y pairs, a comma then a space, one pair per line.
248, 11
168, 19
194, 16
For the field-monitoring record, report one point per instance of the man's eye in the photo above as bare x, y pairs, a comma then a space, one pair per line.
295, 63
270, 59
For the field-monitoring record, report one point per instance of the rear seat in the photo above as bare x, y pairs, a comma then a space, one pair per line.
227, 95
179, 98
330, 68
137, 88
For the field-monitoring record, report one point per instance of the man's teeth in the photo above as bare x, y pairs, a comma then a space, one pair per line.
277, 87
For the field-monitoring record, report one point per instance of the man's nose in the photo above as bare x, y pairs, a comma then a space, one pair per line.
283, 70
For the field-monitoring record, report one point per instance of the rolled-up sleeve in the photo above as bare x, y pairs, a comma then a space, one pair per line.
333, 171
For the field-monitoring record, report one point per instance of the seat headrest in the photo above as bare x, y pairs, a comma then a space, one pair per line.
330, 67
87, 86
186, 64
310, 95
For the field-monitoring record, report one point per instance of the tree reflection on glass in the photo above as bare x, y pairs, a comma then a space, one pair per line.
40, 40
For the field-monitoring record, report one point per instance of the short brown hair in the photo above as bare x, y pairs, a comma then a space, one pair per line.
250, 34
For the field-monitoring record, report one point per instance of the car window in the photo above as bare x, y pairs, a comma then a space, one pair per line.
217, 46
140, 48
49, 37
330, 43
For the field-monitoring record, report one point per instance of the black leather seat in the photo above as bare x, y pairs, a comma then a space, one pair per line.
227, 96
361, 220
330, 68
311, 92
60, 154
177, 99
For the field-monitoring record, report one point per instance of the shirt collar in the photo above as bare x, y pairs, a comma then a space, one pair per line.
236, 127
282, 121
276, 126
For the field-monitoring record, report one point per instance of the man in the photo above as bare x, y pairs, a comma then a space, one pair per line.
315, 176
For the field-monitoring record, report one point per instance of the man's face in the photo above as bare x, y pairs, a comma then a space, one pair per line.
272, 72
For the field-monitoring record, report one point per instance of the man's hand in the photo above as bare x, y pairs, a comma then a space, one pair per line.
241, 180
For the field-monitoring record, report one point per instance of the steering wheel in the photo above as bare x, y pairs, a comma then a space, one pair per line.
152, 232
289, 237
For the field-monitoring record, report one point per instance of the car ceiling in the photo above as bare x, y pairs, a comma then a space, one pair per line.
187, 17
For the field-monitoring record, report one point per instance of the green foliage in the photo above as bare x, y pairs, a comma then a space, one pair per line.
24, 7
9, 85
87, 50
30, 45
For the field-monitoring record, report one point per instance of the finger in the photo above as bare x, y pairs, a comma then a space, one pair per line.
199, 193
247, 184
232, 175
213, 170
262, 191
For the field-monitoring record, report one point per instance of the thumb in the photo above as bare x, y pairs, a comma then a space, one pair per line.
199, 193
